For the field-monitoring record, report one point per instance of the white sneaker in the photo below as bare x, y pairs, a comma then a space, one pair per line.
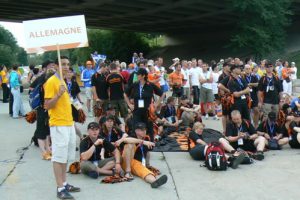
216, 117
206, 116
91, 114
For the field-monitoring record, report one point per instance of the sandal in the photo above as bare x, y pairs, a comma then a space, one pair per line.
129, 176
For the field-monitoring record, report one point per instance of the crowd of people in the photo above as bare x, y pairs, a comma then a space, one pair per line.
137, 105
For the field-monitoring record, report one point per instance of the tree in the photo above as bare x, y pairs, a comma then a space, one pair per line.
22, 57
261, 27
8, 48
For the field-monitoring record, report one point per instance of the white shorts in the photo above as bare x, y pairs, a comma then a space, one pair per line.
88, 93
63, 143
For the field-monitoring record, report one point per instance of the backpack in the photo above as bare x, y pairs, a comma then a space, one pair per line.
215, 159
35, 97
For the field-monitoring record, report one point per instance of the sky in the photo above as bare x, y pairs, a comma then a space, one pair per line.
16, 29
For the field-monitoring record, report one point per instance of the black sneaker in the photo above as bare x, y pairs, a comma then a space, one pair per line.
64, 194
258, 155
237, 160
93, 174
71, 188
159, 182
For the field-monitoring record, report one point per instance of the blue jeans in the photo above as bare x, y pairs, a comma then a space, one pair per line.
18, 104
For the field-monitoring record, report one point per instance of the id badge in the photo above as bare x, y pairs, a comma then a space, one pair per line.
95, 163
251, 90
243, 97
144, 162
290, 138
272, 88
268, 88
240, 141
141, 103
170, 119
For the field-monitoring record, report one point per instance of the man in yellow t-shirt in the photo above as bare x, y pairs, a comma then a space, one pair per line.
62, 131
4, 79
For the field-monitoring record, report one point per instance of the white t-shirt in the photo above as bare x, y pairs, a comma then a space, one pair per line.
215, 82
294, 76
206, 75
186, 76
162, 70
195, 75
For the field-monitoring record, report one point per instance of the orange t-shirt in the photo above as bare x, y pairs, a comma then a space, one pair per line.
155, 76
285, 72
176, 79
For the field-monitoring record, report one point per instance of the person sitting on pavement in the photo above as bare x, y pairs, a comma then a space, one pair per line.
188, 112
292, 129
270, 129
136, 157
112, 111
90, 149
112, 133
199, 148
295, 104
168, 116
241, 134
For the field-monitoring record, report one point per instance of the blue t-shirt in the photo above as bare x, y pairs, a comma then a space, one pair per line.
14, 79
86, 77
293, 103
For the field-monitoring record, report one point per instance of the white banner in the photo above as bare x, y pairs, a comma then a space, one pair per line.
44, 34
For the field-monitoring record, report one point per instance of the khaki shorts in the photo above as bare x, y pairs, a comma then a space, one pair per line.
63, 143
88, 166
121, 107
88, 93
206, 95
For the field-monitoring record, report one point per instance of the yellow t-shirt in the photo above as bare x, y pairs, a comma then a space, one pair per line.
61, 113
3, 75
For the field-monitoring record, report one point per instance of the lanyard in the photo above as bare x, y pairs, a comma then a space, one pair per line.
240, 129
141, 90
240, 83
249, 79
69, 87
269, 80
109, 136
142, 150
271, 129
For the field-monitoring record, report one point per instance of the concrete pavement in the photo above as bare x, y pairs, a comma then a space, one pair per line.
277, 177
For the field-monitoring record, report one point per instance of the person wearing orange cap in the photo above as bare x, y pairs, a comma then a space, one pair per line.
86, 78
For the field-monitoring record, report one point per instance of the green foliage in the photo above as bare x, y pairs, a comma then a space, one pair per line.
10, 52
261, 28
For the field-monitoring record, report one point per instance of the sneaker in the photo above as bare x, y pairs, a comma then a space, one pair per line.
46, 156
237, 160
71, 188
93, 174
258, 155
91, 114
159, 182
64, 194
216, 117
206, 116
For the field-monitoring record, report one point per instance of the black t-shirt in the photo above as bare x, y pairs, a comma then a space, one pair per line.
103, 120
194, 136
114, 136
237, 85
271, 87
233, 130
115, 85
99, 81
271, 129
252, 79
222, 77
146, 94
141, 150
168, 112
39, 81
86, 143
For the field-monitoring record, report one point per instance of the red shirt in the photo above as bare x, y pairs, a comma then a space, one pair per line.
125, 75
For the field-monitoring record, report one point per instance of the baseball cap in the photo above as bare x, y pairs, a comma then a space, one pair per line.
175, 59
272, 116
140, 125
110, 107
93, 125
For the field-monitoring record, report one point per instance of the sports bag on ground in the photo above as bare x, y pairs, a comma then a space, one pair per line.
215, 157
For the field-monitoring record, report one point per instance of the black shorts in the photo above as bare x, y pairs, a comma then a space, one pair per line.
248, 145
294, 144
197, 153
42, 126
225, 111
177, 92
254, 102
